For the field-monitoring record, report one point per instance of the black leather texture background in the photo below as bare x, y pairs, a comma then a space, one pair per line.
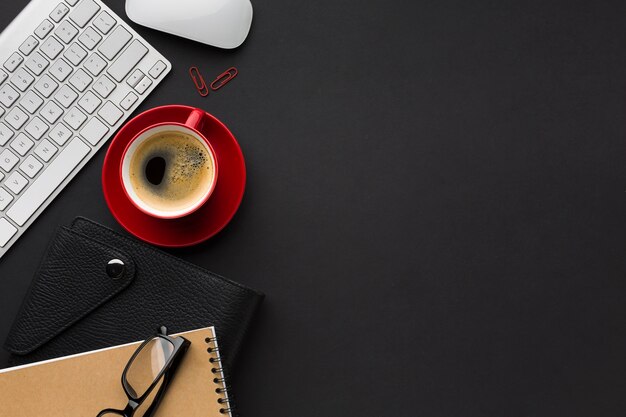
75, 306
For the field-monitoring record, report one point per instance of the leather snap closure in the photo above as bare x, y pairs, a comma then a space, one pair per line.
115, 268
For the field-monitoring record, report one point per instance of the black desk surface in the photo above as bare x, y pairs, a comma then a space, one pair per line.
435, 206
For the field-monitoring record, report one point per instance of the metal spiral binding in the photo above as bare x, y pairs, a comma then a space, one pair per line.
219, 370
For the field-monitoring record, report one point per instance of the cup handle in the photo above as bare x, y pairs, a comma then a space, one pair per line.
195, 120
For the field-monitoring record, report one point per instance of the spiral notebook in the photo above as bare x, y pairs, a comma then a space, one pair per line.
82, 385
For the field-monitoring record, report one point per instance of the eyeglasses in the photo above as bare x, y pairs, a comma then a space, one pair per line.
148, 374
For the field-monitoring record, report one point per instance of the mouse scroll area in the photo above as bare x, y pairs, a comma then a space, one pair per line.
220, 23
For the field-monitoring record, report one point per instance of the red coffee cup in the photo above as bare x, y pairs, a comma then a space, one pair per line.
191, 127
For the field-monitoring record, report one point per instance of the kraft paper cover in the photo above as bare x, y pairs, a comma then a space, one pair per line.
82, 385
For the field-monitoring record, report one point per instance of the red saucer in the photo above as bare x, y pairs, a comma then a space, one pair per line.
208, 219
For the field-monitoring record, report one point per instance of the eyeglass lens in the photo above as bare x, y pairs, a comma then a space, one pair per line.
147, 365
141, 411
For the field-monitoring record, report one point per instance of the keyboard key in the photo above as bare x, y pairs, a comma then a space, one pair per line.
66, 31
80, 80
22, 79
94, 131
8, 160
45, 150
5, 134
16, 118
29, 45
39, 191
90, 38
95, 64
65, 96
16, 182
84, 12
60, 134
143, 85
51, 112
115, 42
59, 12
104, 86
51, 47
37, 63
36, 128
13, 62
135, 77
46, 86
60, 69
5, 197
75, 118
128, 101
157, 69
127, 60
7, 231
31, 166
104, 22
110, 113
8, 95
31, 102
89, 102
3, 76
75, 54
21, 144
43, 29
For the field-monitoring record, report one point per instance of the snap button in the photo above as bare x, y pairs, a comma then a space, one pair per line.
115, 268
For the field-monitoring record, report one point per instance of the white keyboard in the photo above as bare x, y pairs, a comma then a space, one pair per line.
71, 72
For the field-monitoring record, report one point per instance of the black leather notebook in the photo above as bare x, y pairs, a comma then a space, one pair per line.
77, 304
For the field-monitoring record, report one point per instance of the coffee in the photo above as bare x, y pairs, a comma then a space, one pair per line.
171, 171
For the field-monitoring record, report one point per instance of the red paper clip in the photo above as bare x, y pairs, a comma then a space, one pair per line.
198, 81
224, 78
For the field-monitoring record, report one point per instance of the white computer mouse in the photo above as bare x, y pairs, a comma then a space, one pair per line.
221, 23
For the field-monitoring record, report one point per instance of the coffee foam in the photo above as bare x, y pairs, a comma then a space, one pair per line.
188, 173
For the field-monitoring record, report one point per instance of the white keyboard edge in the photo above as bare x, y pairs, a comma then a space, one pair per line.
12, 37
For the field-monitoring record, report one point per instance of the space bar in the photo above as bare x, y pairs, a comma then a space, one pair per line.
48, 181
